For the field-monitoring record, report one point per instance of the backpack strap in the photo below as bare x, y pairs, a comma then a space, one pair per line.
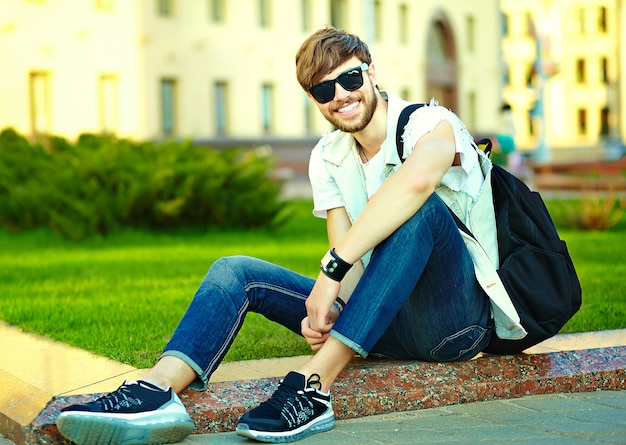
460, 224
484, 144
402, 121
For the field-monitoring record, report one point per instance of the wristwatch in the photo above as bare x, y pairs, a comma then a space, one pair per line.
333, 266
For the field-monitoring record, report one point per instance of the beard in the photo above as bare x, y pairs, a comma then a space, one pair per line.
369, 102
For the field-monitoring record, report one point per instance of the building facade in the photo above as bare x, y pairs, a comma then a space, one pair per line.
219, 70
562, 65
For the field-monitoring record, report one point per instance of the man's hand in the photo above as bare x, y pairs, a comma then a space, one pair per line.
319, 304
314, 338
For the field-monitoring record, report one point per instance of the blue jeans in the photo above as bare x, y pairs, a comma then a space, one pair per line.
418, 299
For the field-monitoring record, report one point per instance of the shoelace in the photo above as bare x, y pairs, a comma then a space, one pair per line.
314, 381
121, 397
284, 393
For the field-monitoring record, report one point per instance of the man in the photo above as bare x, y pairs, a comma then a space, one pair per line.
397, 281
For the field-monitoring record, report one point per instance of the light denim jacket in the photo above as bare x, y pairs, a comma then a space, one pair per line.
337, 154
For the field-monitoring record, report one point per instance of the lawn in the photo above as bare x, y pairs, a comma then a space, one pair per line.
122, 296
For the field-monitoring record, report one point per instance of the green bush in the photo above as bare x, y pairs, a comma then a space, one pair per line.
589, 212
101, 184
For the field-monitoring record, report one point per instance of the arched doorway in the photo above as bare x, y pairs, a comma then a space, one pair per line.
441, 67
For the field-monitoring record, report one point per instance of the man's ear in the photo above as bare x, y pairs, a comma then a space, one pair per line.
371, 71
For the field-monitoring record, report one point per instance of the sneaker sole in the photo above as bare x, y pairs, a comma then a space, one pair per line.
90, 429
325, 422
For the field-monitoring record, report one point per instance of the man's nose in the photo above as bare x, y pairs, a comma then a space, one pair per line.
340, 92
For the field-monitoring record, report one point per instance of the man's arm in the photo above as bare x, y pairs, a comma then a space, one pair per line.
401, 195
393, 204
338, 224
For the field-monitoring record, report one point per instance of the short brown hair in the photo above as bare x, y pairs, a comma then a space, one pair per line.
324, 51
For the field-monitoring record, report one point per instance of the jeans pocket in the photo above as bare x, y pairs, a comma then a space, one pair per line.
461, 345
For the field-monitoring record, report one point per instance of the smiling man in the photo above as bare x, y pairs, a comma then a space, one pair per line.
397, 280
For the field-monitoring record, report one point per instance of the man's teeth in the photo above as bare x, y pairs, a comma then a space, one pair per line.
348, 107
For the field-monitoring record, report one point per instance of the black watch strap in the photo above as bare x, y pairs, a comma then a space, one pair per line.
333, 266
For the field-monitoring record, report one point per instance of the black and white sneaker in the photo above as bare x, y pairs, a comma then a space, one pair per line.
296, 410
136, 413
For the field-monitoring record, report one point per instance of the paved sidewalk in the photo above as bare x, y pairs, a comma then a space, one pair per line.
581, 418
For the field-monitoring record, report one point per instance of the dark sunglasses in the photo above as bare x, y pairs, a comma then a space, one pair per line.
350, 80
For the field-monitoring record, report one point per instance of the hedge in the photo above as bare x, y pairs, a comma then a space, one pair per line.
101, 184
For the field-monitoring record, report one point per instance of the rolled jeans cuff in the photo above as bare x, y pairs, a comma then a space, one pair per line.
349, 343
201, 381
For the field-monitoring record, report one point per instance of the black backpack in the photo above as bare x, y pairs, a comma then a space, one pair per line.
535, 266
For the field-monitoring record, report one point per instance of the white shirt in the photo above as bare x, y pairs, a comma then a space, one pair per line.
372, 171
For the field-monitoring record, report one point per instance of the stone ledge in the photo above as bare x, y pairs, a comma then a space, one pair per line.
369, 387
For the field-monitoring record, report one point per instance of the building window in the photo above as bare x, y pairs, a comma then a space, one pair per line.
40, 115
264, 13
471, 29
604, 70
165, 8
602, 20
403, 24
168, 106
217, 10
306, 14
582, 122
505, 24
267, 107
338, 13
104, 5
604, 121
437, 50
221, 101
473, 110
580, 71
309, 112
506, 74
108, 103
378, 21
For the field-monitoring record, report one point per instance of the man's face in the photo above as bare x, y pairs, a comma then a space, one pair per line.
350, 111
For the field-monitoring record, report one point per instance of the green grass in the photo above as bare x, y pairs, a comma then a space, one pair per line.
122, 296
